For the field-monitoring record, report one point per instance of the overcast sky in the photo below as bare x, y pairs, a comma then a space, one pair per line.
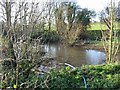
97, 5
93, 4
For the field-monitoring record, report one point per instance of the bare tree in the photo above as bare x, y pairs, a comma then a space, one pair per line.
19, 27
111, 45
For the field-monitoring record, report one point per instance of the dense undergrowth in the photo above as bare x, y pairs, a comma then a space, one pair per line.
52, 36
98, 76
46, 36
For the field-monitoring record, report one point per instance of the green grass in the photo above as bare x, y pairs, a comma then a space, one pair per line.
102, 26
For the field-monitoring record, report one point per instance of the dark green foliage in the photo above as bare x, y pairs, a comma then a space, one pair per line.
8, 71
102, 76
50, 36
10, 50
8, 64
84, 16
46, 36
31, 81
35, 35
94, 34
99, 76
97, 35
65, 78
24, 64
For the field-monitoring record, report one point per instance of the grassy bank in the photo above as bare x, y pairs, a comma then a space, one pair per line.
97, 26
102, 26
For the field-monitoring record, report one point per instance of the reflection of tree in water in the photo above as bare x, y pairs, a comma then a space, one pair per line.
51, 50
73, 55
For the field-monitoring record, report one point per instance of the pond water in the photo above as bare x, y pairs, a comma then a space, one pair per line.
75, 56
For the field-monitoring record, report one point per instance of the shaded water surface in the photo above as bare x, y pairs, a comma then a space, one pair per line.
73, 55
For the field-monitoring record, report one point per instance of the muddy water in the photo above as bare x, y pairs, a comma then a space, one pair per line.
75, 56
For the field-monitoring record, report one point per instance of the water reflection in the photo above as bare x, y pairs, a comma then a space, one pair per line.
95, 57
51, 50
73, 55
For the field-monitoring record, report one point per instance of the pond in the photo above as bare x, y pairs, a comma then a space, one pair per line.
75, 56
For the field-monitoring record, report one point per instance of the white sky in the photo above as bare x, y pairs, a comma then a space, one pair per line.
93, 4
97, 5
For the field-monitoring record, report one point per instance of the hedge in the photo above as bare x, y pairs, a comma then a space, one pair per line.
98, 76
96, 34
